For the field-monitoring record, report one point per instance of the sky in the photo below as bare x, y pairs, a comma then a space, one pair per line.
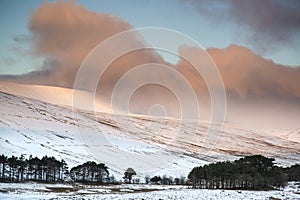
211, 24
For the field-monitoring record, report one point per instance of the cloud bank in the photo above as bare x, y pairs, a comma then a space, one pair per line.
260, 93
64, 33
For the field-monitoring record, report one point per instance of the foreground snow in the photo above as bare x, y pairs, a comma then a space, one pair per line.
43, 191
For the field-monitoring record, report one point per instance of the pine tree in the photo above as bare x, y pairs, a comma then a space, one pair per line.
128, 175
3, 161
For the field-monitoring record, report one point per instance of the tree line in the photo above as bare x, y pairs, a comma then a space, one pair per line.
251, 173
50, 170
90, 172
19, 169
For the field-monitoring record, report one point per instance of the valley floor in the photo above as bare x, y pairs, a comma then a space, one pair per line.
62, 191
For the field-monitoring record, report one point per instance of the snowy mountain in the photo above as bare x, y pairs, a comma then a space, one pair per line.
39, 120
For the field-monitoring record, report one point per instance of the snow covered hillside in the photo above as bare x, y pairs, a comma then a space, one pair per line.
48, 94
39, 127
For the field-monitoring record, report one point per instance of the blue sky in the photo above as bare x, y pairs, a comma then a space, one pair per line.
173, 14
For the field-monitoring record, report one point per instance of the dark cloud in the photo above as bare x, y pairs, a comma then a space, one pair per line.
266, 24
